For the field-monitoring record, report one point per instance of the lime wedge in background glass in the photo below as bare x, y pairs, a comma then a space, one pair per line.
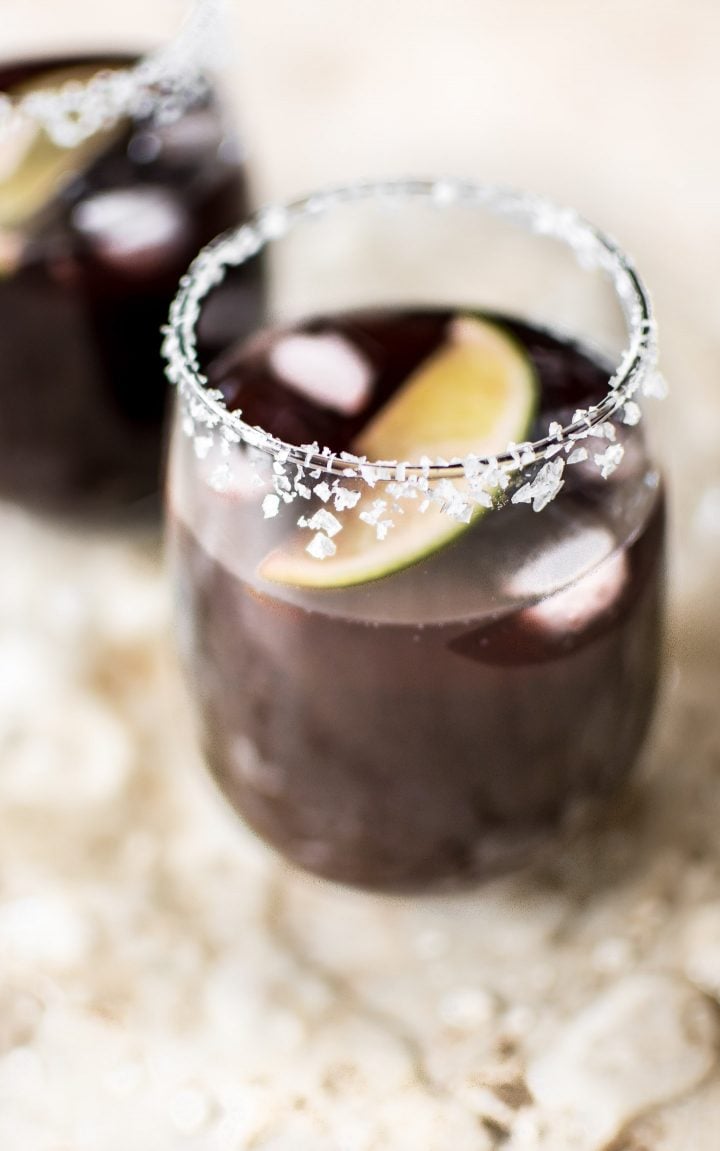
33, 169
475, 394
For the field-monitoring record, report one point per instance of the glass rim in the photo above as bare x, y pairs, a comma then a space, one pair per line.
636, 370
157, 81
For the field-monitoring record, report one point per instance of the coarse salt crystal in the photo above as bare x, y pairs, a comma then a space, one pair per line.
270, 506
631, 413
577, 606
609, 460
346, 498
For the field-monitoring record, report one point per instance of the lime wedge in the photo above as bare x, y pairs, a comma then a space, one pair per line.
474, 395
33, 169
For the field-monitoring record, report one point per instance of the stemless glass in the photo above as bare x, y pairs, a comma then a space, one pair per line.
430, 721
116, 164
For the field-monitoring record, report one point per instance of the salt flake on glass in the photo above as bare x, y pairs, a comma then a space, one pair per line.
321, 547
609, 460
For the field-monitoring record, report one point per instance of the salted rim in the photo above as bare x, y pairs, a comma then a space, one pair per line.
163, 81
594, 249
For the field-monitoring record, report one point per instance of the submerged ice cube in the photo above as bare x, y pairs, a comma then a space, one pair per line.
326, 369
580, 605
575, 580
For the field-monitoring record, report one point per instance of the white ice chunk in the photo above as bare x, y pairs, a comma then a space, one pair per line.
326, 369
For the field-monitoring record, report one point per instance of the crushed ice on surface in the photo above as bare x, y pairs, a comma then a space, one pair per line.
374, 514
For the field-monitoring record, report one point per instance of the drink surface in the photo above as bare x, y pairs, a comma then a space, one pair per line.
86, 278
505, 561
434, 725
325, 379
